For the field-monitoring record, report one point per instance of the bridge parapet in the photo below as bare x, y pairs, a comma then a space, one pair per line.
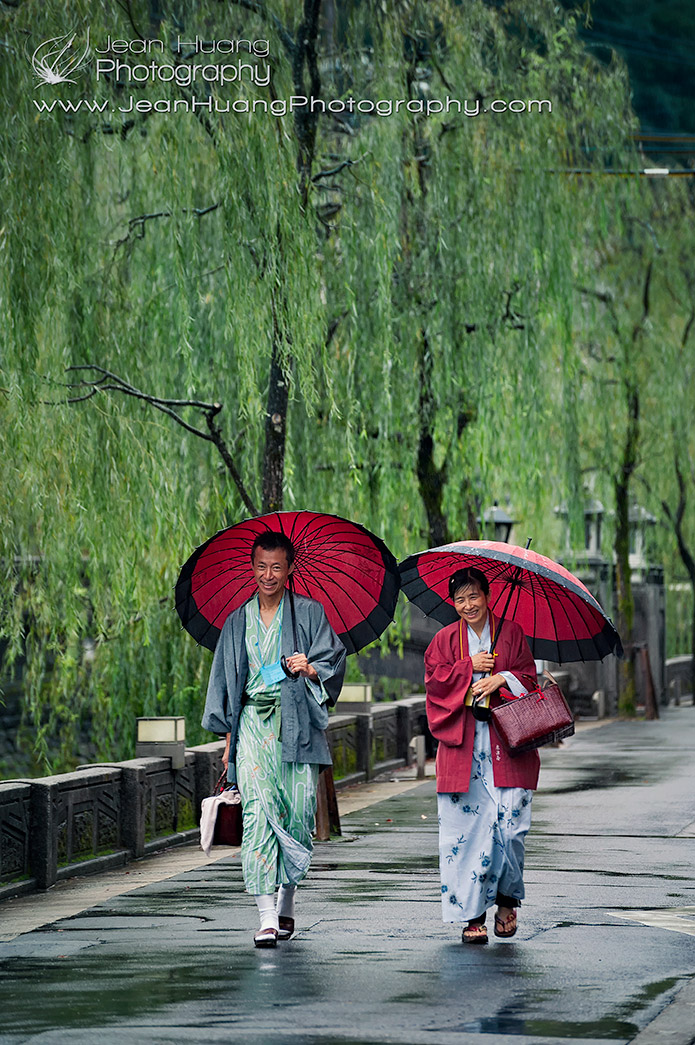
102, 816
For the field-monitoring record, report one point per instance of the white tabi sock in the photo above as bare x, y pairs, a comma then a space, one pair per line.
286, 901
266, 908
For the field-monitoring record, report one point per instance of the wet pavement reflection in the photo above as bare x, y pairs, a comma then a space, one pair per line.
372, 961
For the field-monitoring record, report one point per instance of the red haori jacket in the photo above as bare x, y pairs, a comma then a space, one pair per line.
447, 680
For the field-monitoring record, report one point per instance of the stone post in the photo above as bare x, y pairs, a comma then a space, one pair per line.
403, 732
364, 744
207, 769
43, 852
133, 807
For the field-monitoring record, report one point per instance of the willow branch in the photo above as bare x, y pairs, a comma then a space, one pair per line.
676, 517
650, 230
197, 211
110, 382
260, 9
639, 325
333, 326
608, 300
511, 316
223, 450
135, 619
127, 7
335, 170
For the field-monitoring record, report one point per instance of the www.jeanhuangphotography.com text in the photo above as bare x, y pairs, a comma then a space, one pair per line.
116, 62
283, 106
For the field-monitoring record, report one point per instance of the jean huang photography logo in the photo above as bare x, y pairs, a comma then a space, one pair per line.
60, 59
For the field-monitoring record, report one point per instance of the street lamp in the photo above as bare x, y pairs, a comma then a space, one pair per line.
497, 518
163, 737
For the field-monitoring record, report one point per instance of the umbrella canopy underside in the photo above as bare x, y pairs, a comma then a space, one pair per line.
350, 571
560, 617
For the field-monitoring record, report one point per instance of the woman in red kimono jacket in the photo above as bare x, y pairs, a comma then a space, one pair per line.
483, 794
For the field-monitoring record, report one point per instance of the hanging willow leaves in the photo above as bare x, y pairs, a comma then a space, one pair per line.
402, 277
638, 368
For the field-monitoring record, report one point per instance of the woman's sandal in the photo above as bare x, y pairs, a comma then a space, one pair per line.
506, 927
476, 933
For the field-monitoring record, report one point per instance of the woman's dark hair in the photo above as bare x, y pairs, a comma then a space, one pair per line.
464, 578
270, 540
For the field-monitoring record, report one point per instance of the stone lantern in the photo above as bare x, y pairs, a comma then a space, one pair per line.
593, 518
640, 523
592, 568
588, 558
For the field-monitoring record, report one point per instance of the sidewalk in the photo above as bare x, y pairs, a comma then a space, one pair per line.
604, 951
70, 897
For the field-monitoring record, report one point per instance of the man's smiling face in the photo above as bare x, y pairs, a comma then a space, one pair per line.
271, 570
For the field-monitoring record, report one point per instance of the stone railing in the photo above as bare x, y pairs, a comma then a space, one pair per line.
102, 816
678, 677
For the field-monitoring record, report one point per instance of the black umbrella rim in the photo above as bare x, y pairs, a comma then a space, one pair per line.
607, 639
355, 639
513, 560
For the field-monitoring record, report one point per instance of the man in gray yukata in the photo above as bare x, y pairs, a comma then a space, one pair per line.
274, 726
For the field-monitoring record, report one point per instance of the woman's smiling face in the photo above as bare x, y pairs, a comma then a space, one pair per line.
471, 605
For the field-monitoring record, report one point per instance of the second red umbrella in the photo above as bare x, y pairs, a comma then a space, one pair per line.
560, 617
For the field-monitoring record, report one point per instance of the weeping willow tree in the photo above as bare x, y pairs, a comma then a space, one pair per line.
670, 479
638, 366
210, 310
619, 356
454, 261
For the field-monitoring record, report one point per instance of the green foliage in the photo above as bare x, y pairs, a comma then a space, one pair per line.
172, 249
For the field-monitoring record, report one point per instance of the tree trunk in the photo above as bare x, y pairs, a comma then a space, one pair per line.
305, 124
431, 480
692, 647
626, 604
306, 121
275, 428
676, 521
689, 563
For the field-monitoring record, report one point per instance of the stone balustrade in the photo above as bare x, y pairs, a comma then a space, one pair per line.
679, 678
102, 816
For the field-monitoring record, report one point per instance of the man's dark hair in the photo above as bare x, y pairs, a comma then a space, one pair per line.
270, 540
464, 578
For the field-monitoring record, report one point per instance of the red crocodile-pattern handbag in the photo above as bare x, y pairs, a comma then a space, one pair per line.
540, 717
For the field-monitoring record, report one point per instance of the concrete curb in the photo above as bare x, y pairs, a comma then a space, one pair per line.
675, 1025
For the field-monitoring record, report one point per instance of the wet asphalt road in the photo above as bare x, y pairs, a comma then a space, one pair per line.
613, 831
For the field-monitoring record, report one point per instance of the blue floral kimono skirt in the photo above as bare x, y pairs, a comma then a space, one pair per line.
481, 839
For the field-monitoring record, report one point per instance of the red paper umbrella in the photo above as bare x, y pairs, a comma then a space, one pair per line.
340, 563
560, 617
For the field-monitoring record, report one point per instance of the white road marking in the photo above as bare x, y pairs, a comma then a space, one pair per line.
677, 919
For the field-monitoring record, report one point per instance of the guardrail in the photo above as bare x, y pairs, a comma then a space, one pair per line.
103, 816
679, 678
